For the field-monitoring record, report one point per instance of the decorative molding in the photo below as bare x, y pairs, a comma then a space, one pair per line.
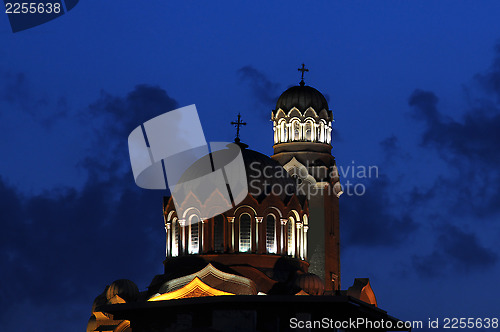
230, 219
284, 221
259, 219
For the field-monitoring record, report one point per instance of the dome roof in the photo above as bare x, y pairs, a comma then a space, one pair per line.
302, 97
311, 284
264, 175
124, 288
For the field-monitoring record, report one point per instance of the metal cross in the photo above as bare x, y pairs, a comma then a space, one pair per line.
238, 124
303, 70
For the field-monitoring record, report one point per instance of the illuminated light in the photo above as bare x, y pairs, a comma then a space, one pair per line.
196, 288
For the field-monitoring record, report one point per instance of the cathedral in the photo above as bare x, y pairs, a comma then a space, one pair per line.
270, 262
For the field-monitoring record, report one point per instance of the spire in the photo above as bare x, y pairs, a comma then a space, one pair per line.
238, 124
303, 70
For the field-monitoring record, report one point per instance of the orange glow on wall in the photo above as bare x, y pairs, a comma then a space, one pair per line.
196, 288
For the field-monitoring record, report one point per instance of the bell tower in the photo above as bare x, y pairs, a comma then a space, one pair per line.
302, 124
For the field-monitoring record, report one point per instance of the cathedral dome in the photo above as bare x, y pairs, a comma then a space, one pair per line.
124, 288
265, 176
311, 284
302, 97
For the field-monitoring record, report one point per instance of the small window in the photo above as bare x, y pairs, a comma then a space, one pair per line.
245, 233
194, 245
308, 132
219, 233
271, 234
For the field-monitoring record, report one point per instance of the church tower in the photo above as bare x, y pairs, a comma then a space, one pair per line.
302, 124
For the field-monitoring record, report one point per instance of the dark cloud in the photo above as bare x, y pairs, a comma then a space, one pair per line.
65, 245
369, 220
391, 149
490, 80
113, 118
263, 89
475, 138
17, 91
455, 250
468, 145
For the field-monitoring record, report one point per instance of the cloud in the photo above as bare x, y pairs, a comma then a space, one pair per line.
263, 89
490, 80
455, 250
391, 149
17, 91
113, 118
370, 220
469, 145
60, 248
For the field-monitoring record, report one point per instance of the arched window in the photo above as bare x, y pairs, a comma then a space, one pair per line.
308, 132
291, 236
245, 233
271, 234
176, 237
219, 233
194, 233
284, 131
296, 134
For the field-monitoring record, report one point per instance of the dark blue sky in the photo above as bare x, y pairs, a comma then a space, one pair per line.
414, 86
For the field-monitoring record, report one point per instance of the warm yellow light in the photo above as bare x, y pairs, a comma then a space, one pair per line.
196, 288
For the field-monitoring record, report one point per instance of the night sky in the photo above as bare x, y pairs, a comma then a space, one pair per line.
414, 87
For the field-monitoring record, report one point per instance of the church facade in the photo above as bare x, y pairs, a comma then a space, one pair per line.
266, 264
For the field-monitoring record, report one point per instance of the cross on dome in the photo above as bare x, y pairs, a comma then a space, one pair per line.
238, 124
303, 70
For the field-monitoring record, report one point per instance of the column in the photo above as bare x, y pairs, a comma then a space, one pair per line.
231, 233
258, 236
168, 249
182, 243
283, 248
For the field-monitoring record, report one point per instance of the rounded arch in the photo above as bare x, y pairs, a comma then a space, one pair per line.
283, 130
170, 215
309, 132
310, 112
305, 219
294, 113
245, 208
295, 215
187, 215
295, 129
280, 114
194, 228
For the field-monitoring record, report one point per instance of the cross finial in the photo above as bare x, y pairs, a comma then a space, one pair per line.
238, 124
303, 70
